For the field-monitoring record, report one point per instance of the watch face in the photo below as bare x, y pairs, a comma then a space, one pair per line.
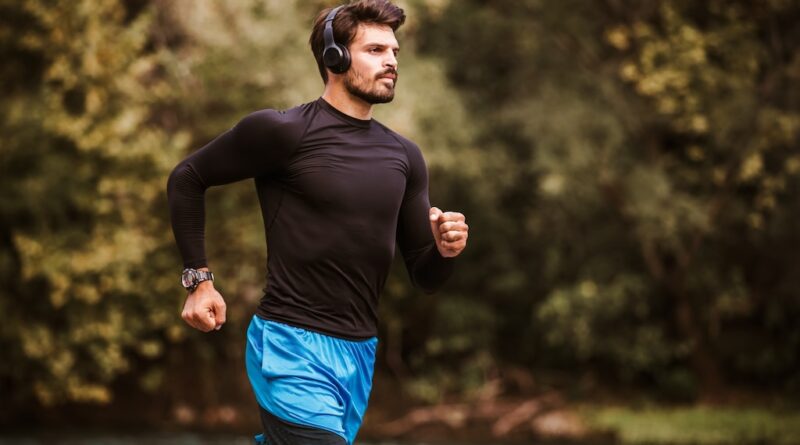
188, 278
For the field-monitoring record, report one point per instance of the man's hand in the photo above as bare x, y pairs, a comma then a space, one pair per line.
449, 230
204, 309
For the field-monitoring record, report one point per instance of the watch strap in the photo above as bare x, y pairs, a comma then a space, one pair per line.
204, 275
191, 278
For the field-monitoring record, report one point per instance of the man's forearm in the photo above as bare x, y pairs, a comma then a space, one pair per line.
186, 197
429, 270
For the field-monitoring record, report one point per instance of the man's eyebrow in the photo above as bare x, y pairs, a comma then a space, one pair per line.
382, 45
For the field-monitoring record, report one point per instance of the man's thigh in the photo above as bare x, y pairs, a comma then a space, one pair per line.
280, 432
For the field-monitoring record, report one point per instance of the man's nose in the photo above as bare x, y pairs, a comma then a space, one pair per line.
390, 61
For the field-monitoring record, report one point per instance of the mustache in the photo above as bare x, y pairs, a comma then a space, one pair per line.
387, 71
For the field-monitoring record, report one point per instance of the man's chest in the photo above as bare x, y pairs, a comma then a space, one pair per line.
342, 176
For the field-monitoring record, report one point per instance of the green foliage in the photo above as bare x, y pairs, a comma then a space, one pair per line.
629, 171
584, 320
649, 176
703, 425
84, 284
456, 357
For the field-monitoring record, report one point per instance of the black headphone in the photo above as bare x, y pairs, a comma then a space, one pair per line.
334, 56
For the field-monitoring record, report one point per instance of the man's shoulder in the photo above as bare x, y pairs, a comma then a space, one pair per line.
271, 116
287, 125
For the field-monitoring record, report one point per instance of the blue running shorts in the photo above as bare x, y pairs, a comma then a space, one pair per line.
307, 378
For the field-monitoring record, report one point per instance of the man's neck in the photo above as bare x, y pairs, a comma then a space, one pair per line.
345, 102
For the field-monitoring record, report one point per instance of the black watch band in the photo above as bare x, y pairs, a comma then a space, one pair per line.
191, 278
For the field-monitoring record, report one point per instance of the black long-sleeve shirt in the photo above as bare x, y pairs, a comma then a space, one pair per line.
336, 193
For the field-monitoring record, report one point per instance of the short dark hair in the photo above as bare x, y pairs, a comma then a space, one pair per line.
345, 24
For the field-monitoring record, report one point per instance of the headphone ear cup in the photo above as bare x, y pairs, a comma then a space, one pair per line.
332, 57
344, 63
336, 58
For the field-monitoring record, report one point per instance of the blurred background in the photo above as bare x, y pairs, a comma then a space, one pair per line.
630, 171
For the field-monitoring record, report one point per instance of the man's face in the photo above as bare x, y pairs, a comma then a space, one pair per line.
373, 64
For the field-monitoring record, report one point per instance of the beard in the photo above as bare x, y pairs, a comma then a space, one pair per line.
371, 92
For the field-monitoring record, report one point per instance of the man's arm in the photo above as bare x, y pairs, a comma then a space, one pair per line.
257, 145
429, 239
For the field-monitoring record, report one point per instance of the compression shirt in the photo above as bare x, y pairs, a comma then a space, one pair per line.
336, 193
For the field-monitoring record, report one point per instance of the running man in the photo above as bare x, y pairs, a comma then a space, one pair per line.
337, 190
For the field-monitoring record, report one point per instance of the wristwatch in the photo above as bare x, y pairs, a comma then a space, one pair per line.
190, 278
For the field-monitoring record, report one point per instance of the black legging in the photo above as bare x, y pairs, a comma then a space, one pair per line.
280, 432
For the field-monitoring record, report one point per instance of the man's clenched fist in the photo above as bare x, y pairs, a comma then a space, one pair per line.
204, 309
449, 230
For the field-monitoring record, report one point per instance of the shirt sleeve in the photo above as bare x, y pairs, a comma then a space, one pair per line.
427, 269
257, 145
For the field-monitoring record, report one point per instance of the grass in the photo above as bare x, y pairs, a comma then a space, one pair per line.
696, 425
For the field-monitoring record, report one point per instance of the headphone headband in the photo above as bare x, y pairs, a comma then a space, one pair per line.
328, 32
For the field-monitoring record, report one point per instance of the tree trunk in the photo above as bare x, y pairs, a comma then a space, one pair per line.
701, 359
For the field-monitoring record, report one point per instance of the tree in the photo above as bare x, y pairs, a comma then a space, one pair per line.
85, 283
650, 177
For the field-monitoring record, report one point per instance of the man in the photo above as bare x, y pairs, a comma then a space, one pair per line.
337, 191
